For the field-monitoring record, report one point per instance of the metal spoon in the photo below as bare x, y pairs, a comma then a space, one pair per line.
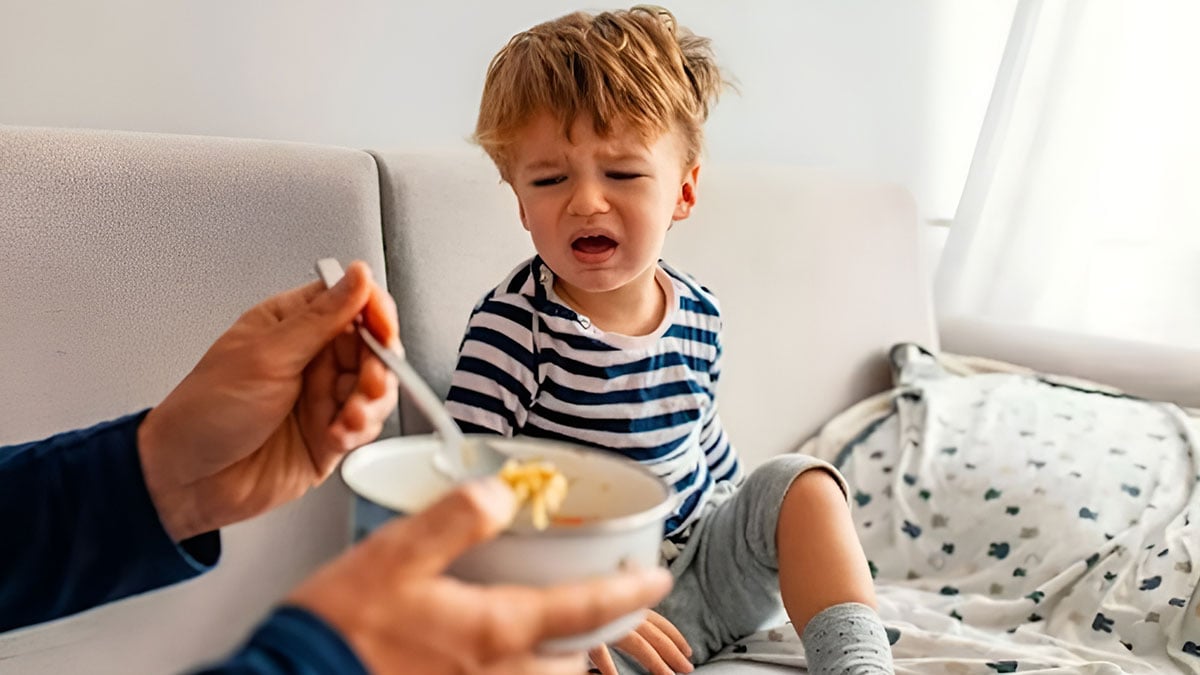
456, 459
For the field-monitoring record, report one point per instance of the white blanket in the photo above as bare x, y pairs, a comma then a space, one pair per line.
1019, 526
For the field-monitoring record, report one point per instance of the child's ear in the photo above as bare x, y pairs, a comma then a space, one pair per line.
686, 199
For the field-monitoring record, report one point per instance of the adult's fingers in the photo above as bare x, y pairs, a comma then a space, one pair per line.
307, 331
534, 615
291, 302
360, 419
528, 664
318, 388
374, 378
574, 608
380, 317
346, 347
427, 542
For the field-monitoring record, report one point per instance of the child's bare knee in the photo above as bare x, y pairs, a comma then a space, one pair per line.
816, 486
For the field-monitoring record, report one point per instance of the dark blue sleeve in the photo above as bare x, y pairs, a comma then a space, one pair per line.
292, 641
79, 529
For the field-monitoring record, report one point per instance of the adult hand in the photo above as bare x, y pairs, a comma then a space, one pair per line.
272, 406
656, 644
388, 597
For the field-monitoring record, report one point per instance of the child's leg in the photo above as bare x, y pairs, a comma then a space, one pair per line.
825, 580
727, 579
821, 563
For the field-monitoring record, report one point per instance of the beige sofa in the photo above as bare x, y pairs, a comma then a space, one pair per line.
124, 255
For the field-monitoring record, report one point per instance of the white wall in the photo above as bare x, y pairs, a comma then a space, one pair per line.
895, 89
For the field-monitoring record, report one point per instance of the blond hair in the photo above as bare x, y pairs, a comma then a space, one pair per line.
634, 67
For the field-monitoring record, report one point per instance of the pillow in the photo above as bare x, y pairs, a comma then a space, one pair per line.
1020, 501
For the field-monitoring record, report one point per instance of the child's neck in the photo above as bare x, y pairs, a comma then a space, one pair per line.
635, 309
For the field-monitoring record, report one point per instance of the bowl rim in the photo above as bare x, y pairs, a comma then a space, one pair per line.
633, 521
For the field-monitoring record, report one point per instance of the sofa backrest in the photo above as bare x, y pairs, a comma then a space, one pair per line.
817, 274
122, 256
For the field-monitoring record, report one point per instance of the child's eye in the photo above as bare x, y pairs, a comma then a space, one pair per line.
546, 182
622, 175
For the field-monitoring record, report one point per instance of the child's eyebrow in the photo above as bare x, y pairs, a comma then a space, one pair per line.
623, 156
541, 165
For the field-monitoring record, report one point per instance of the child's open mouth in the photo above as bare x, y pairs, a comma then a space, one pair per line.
593, 249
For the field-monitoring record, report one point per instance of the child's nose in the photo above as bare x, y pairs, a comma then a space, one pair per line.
587, 199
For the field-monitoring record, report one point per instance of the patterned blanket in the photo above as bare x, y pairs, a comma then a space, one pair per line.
1014, 525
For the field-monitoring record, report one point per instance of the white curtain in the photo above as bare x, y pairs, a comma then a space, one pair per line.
1081, 211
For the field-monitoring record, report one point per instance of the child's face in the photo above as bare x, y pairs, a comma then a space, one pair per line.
598, 209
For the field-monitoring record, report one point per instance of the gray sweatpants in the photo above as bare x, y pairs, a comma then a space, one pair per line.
727, 576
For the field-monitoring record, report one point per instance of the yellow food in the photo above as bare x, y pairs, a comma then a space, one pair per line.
537, 483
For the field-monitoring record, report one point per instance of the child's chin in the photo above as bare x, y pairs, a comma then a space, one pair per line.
599, 282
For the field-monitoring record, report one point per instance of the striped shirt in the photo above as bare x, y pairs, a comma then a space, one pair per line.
530, 365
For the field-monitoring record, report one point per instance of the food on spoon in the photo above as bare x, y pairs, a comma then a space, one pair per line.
540, 484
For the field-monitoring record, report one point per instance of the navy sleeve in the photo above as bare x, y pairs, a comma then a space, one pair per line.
295, 642
79, 529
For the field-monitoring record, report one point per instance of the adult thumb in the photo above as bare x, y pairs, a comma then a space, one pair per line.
307, 332
426, 543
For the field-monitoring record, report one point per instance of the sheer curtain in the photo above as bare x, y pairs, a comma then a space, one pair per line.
1081, 211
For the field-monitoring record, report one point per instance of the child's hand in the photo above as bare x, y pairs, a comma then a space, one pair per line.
656, 644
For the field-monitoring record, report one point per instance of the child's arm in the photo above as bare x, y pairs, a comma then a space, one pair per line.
496, 377
719, 454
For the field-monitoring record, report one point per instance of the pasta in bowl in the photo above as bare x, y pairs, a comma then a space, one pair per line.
609, 513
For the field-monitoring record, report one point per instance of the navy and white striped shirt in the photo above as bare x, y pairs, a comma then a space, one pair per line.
530, 365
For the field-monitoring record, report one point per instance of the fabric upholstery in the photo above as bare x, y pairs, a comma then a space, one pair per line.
123, 256
816, 272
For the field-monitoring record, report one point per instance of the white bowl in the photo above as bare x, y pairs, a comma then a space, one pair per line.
622, 504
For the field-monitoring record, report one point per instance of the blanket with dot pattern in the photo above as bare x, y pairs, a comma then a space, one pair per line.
1017, 525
